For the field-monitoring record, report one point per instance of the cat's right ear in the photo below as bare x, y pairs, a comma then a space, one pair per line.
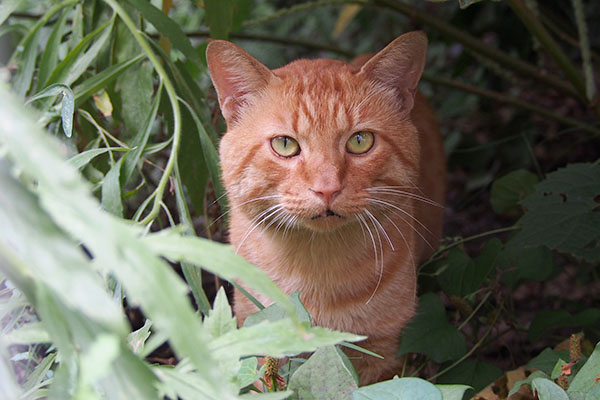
236, 76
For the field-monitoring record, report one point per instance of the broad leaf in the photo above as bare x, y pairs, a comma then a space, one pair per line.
430, 333
548, 390
546, 320
587, 377
219, 17
563, 213
323, 376
399, 389
475, 373
546, 360
507, 192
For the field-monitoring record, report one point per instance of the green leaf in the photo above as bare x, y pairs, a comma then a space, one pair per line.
562, 213
49, 58
430, 333
67, 108
546, 360
475, 373
548, 390
112, 200
30, 333
9, 389
399, 389
25, 59
529, 263
323, 376
454, 392
82, 159
585, 380
7, 7
547, 320
507, 192
461, 275
219, 17
275, 312
137, 339
168, 28
276, 339
220, 319
527, 381
248, 372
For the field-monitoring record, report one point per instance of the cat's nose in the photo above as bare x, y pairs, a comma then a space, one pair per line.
327, 193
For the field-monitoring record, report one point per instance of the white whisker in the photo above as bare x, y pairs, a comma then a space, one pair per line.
378, 224
259, 219
273, 196
391, 190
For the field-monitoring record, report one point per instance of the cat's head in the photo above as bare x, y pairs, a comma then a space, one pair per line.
307, 142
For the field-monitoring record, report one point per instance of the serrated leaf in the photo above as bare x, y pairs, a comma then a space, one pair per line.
399, 389
430, 333
508, 191
546, 320
248, 372
323, 376
548, 390
475, 373
562, 213
220, 319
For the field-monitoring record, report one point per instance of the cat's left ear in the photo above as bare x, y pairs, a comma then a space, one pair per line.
236, 75
399, 66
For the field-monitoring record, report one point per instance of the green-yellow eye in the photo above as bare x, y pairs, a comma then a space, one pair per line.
285, 146
360, 142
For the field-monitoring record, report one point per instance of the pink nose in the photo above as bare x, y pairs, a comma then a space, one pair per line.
327, 193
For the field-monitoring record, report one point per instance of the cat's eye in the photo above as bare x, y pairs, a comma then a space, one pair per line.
360, 142
285, 146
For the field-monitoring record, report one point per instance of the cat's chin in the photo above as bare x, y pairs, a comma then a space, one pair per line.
325, 222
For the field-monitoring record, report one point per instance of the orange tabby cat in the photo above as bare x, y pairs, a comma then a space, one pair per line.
335, 175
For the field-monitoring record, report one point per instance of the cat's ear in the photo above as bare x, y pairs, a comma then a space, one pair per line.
399, 66
236, 76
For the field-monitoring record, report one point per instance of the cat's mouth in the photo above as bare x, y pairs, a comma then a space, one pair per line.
325, 214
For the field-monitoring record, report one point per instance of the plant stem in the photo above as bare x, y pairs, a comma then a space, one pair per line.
164, 180
481, 303
478, 46
510, 100
537, 29
586, 54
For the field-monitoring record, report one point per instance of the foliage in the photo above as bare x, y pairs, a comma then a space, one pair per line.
131, 179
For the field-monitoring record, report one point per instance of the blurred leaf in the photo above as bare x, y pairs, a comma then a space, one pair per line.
547, 320
220, 319
29, 333
219, 17
546, 360
587, 377
9, 389
248, 372
275, 312
346, 16
49, 58
137, 339
399, 389
112, 200
40, 372
548, 390
67, 104
323, 376
562, 213
6, 8
167, 27
518, 264
507, 192
25, 59
430, 333
475, 373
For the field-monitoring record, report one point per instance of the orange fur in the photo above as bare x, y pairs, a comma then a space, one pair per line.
356, 270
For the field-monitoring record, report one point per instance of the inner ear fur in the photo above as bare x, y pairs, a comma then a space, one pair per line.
236, 76
399, 66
